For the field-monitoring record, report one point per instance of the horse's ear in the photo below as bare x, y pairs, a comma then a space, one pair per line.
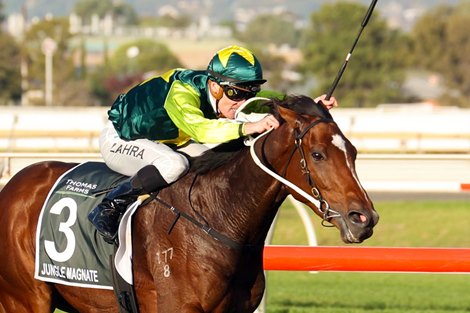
291, 117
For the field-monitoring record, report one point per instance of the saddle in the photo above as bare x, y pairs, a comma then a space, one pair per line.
69, 249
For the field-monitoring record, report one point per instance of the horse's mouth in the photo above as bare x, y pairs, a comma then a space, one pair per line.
351, 233
349, 237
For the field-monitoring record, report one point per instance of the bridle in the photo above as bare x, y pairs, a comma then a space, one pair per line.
315, 197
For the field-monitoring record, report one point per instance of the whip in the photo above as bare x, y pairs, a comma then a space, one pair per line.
348, 56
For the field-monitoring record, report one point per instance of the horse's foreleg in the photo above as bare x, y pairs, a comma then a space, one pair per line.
257, 292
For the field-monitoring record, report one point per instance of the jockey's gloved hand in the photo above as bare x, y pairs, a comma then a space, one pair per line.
329, 104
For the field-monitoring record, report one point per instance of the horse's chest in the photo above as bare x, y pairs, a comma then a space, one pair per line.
214, 282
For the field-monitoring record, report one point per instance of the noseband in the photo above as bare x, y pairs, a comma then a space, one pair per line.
315, 197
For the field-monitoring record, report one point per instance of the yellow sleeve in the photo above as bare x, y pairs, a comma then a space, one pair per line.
183, 106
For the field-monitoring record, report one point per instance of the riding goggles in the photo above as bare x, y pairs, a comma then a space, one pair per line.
238, 93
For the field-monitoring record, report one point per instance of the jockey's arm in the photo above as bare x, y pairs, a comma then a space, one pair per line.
183, 107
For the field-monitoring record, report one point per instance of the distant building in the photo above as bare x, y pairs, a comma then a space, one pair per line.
16, 25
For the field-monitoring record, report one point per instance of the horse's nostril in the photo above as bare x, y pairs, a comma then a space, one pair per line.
358, 218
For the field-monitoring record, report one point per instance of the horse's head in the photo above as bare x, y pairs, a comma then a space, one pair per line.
313, 154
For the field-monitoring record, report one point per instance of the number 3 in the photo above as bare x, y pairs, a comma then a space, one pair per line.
64, 227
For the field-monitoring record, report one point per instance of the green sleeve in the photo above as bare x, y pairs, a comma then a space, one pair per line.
182, 105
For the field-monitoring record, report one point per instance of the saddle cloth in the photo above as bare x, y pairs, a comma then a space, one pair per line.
68, 248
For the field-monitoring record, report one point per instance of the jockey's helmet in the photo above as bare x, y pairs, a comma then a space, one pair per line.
235, 65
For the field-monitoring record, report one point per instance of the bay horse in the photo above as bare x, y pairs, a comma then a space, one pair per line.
216, 261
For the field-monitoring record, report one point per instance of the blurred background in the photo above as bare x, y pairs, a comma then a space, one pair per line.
411, 51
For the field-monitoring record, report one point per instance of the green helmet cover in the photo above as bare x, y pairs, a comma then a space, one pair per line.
236, 65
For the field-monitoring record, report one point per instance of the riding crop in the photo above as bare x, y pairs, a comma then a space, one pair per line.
348, 56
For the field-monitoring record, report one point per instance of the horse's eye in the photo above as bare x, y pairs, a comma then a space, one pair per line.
317, 156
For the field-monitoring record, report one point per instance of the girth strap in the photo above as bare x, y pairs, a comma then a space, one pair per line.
206, 228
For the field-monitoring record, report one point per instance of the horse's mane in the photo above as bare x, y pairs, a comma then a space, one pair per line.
215, 157
225, 152
302, 105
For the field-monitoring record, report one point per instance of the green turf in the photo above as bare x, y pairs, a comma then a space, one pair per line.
363, 292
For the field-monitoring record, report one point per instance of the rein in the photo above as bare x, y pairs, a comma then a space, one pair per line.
206, 228
316, 197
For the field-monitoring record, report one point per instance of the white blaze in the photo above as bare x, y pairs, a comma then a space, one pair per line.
339, 142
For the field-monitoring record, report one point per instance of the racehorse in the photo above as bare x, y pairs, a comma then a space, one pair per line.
229, 203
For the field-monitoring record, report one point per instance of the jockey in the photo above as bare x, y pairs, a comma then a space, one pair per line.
178, 111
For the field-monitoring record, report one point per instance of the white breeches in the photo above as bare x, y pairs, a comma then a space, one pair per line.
127, 157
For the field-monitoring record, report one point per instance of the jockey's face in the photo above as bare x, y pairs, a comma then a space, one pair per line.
228, 107
232, 97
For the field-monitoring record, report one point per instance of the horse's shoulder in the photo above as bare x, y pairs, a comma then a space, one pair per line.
51, 166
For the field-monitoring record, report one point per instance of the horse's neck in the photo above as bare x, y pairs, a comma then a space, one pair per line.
246, 199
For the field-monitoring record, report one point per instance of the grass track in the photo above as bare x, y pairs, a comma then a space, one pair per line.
365, 293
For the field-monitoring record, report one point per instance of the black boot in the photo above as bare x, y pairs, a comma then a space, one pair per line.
107, 215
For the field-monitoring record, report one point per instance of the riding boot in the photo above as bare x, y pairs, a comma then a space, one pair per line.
107, 215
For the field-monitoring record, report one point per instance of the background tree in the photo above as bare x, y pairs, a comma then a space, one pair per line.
121, 12
376, 71
170, 21
441, 44
270, 29
67, 90
128, 65
272, 69
2, 17
10, 78
9, 66
264, 35
143, 55
125, 14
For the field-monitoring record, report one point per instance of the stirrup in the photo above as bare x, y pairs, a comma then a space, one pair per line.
105, 218
109, 235
114, 240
